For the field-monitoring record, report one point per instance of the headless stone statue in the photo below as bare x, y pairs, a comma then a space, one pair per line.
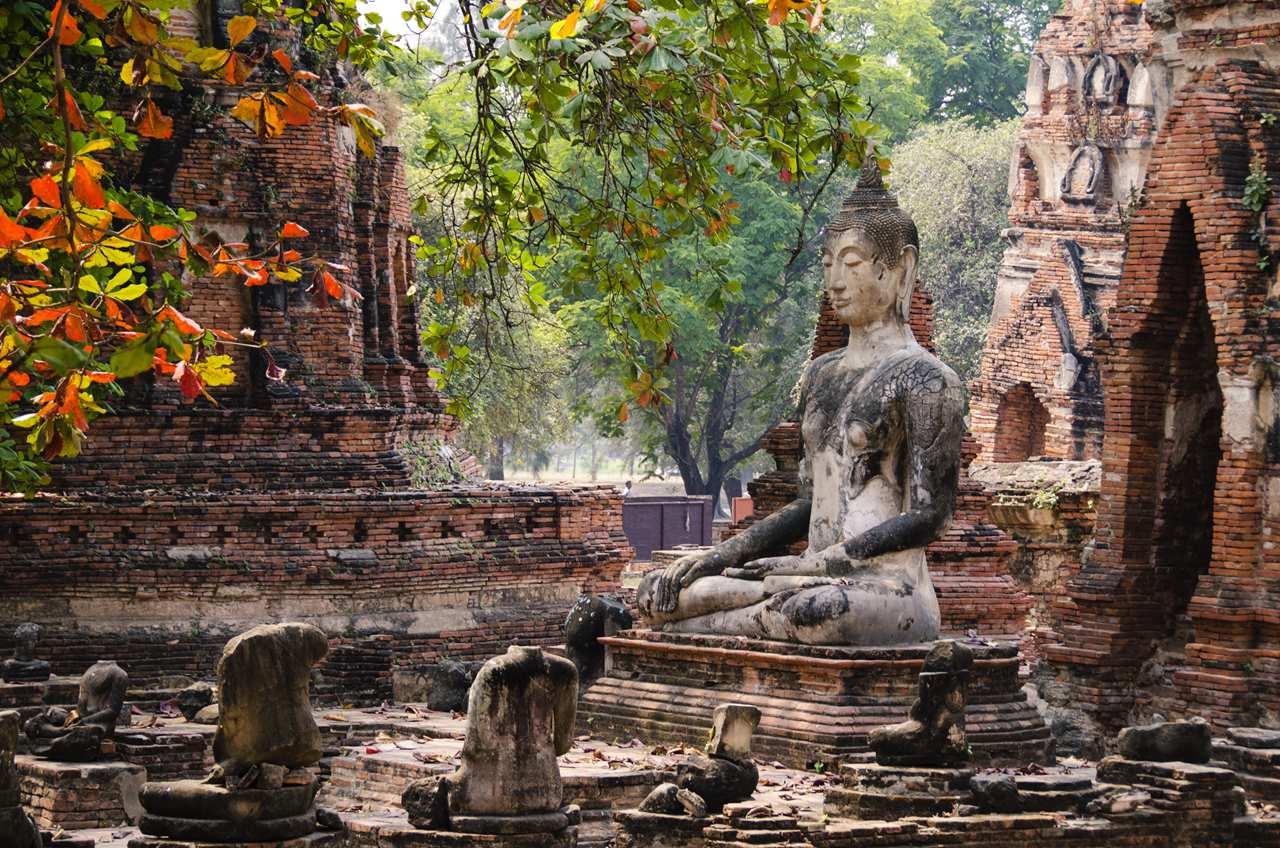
264, 699
261, 789
77, 736
933, 734
519, 720
24, 667
882, 422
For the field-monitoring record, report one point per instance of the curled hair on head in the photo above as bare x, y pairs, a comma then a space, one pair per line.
872, 210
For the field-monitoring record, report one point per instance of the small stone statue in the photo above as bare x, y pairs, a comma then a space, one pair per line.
14, 822
591, 617
933, 734
77, 736
882, 422
519, 719
261, 788
726, 774
24, 667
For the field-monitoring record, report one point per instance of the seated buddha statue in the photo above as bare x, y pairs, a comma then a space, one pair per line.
882, 422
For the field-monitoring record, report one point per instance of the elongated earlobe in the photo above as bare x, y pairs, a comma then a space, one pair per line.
908, 263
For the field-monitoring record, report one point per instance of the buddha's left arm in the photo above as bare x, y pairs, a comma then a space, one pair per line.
932, 409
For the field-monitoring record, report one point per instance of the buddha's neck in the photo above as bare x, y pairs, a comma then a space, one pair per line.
870, 343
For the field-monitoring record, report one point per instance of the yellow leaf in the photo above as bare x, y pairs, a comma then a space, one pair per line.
624, 413
490, 8
592, 6
566, 28
215, 370
239, 28
288, 275
439, 296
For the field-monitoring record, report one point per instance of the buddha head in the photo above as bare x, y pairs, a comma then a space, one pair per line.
870, 255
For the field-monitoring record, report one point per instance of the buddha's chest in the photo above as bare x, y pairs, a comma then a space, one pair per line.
849, 415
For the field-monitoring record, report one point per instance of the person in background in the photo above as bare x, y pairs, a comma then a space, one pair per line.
626, 489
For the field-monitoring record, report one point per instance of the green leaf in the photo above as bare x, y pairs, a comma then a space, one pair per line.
133, 359
56, 353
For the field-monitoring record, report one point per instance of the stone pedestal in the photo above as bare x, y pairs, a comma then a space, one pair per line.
200, 812
637, 829
890, 793
817, 703
315, 840
77, 796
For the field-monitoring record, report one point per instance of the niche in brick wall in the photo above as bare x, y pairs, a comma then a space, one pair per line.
1191, 420
1021, 421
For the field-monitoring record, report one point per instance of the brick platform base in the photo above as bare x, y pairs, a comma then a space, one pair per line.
384, 831
376, 781
76, 796
818, 703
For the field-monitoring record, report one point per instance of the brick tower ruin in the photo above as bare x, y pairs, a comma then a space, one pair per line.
182, 524
1191, 469
1076, 174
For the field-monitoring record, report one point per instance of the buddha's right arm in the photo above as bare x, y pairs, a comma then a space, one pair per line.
766, 536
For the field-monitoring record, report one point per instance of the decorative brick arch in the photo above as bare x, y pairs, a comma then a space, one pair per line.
1186, 469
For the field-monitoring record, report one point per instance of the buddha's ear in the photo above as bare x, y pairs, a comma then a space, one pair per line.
908, 262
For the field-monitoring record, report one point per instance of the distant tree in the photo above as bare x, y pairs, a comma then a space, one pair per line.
900, 47
953, 177
741, 344
988, 48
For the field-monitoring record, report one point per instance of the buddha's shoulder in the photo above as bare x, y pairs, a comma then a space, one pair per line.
914, 370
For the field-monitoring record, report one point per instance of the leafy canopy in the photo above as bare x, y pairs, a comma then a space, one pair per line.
665, 97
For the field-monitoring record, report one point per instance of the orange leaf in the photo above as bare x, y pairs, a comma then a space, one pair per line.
119, 211
100, 376
291, 255
44, 316
255, 276
71, 109
298, 104
68, 28
140, 27
11, 234
184, 324
86, 189
155, 124
162, 232
74, 327
47, 191
567, 27
283, 59
292, 230
237, 69
331, 285
94, 8
239, 28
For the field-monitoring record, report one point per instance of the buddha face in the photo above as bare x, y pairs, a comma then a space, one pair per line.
863, 290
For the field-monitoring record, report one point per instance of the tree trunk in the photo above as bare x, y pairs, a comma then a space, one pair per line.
497, 460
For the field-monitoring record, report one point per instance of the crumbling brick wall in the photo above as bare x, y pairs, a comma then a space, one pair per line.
1188, 503
1079, 162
